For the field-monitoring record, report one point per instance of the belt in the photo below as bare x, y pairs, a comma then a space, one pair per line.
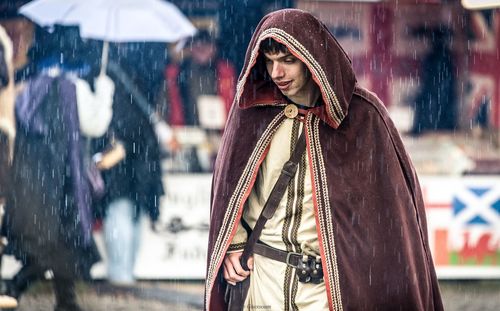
290, 258
307, 268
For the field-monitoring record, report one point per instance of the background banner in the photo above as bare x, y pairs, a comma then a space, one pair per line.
463, 218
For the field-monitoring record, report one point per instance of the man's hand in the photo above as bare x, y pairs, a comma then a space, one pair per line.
233, 272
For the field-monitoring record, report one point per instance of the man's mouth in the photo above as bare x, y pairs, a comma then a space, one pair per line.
284, 85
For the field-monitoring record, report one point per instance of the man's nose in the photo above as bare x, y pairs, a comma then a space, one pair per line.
278, 71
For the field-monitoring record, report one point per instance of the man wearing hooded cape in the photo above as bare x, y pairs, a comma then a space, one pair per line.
355, 200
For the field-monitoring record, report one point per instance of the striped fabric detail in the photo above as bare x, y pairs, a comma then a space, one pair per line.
288, 287
293, 207
324, 212
236, 203
293, 215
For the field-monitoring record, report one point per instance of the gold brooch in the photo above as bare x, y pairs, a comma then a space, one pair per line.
291, 111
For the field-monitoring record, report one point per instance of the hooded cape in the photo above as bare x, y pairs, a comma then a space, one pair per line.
369, 210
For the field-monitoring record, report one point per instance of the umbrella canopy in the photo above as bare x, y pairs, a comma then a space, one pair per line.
114, 20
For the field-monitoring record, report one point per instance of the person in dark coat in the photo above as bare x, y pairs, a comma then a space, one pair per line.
48, 219
199, 92
436, 103
204, 73
134, 185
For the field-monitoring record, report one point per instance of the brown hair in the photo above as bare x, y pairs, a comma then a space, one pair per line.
272, 46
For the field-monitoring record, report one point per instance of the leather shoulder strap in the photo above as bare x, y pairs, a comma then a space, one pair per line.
287, 173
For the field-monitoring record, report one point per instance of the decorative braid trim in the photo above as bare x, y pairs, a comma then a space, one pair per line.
251, 63
236, 203
292, 221
324, 212
236, 247
288, 288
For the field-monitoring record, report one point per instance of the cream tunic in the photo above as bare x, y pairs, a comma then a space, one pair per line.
273, 284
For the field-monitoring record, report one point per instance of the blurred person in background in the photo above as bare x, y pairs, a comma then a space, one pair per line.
133, 182
199, 92
436, 101
48, 219
7, 132
202, 73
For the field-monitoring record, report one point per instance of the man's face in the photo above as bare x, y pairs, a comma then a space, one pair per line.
292, 77
203, 52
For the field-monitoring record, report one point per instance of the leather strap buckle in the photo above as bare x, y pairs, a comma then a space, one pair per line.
288, 256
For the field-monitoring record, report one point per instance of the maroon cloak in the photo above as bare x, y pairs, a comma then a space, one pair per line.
368, 205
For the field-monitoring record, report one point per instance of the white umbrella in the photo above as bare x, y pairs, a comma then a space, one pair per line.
114, 20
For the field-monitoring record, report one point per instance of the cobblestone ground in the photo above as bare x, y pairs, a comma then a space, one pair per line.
147, 296
172, 296
471, 295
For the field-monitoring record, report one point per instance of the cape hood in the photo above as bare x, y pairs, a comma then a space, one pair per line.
332, 71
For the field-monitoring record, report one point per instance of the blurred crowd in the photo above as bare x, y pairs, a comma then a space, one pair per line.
85, 144
85, 140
